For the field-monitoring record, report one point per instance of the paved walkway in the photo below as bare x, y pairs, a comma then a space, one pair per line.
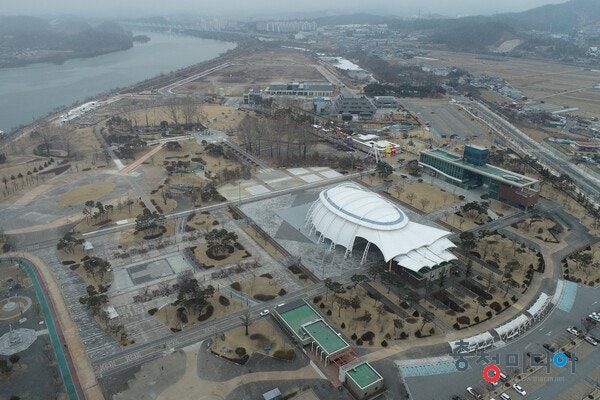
191, 387
82, 368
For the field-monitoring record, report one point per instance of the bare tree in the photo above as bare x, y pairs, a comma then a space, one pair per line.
173, 110
246, 320
189, 109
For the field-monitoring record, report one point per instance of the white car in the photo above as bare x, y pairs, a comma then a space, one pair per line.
573, 331
474, 393
591, 340
595, 316
519, 390
504, 396
264, 312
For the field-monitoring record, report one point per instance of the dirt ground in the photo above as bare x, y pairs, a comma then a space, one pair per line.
260, 334
167, 314
81, 194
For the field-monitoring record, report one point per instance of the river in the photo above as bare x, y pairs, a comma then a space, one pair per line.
30, 92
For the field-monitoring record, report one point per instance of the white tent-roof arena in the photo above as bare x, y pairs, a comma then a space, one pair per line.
345, 212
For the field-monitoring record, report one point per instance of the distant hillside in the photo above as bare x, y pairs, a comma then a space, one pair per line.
26, 40
474, 36
564, 17
511, 33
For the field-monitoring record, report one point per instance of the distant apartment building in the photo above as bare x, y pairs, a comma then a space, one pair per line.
307, 89
354, 104
286, 26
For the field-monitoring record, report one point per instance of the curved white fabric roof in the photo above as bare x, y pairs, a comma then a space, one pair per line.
511, 326
345, 212
539, 305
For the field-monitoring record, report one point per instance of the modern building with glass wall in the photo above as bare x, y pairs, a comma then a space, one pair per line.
471, 170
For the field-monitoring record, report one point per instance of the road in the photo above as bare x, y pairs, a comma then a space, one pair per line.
168, 90
540, 386
138, 355
129, 225
524, 145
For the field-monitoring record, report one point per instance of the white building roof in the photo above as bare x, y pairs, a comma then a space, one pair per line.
539, 304
512, 325
473, 341
345, 212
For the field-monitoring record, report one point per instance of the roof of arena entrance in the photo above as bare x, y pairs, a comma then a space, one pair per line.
346, 212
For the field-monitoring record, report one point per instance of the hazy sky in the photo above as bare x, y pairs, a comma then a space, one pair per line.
256, 8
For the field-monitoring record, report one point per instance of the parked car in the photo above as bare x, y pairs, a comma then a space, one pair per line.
591, 340
549, 347
573, 331
595, 316
519, 389
504, 396
474, 393
572, 356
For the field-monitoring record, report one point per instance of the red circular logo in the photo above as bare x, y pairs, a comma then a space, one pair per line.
486, 373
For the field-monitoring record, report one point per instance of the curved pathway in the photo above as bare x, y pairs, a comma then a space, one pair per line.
192, 387
78, 361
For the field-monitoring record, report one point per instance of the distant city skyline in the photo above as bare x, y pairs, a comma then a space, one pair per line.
265, 8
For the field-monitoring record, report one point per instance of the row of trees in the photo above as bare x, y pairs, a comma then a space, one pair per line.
282, 135
20, 180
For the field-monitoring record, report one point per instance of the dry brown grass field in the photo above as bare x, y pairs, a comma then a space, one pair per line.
423, 196
381, 320
553, 82
256, 71
260, 334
